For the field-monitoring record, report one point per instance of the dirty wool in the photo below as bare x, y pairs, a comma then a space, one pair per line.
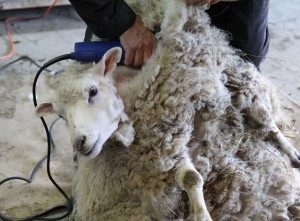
247, 173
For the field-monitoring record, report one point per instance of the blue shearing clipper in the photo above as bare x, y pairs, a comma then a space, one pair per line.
94, 50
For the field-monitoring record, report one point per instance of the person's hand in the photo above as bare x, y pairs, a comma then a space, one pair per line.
138, 42
189, 2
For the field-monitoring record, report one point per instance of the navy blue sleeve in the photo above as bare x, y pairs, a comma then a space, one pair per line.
106, 18
247, 23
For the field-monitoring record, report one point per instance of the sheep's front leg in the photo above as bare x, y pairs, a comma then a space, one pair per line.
189, 179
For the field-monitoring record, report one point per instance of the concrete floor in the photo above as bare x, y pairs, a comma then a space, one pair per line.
282, 66
22, 138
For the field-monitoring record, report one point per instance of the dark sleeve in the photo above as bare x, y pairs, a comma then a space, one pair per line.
106, 18
247, 23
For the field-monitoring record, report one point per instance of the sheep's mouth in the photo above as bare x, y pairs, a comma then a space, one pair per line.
90, 152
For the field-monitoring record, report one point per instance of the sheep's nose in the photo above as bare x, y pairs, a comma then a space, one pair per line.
79, 143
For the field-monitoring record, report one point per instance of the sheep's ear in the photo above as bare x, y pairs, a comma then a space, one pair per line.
44, 109
109, 61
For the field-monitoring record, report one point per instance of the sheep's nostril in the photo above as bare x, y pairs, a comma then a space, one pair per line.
83, 139
80, 143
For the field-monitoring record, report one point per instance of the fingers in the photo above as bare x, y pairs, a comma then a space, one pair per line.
139, 44
142, 49
139, 57
138, 53
129, 56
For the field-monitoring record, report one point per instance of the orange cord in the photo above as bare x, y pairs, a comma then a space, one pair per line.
12, 45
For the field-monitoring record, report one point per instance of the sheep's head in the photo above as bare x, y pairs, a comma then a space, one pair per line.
89, 104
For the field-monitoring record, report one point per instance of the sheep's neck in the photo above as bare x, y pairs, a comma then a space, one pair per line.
125, 81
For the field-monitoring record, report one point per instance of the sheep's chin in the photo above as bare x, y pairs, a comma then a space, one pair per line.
95, 150
102, 138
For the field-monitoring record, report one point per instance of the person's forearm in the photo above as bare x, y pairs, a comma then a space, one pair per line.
106, 18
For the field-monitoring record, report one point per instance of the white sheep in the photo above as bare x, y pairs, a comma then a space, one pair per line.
89, 104
195, 95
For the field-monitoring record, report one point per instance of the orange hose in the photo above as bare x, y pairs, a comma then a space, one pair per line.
12, 45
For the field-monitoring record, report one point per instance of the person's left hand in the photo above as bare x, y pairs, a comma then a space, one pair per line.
189, 2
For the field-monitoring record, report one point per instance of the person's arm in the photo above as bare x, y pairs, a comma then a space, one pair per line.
113, 19
106, 18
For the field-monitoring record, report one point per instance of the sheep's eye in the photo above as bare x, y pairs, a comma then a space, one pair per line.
93, 92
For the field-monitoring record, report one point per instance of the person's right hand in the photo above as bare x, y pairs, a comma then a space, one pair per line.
138, 42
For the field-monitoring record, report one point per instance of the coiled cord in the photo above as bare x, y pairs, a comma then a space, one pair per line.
69, 206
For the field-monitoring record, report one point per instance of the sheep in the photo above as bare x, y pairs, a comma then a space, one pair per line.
195, 114
79, 94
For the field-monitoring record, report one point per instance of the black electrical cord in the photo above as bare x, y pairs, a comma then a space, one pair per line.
69, 206
37, 166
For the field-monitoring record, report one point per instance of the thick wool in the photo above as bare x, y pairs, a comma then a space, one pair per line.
247, 178
194, 99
